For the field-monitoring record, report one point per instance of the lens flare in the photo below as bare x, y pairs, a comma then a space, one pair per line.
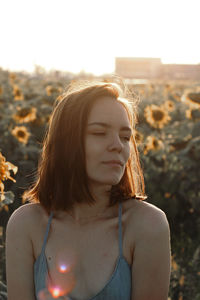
60, 279
63, 268
56, 292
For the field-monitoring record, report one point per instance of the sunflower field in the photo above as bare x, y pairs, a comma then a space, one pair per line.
168, 139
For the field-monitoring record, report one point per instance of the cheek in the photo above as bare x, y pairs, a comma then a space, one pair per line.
93, 147
92, 154
127, 153
91, 150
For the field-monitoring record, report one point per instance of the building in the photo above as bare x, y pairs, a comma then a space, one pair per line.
152, 68
176, 71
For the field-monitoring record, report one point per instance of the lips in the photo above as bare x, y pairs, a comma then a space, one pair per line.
114, 162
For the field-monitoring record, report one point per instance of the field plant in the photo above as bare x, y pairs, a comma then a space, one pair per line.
168, 138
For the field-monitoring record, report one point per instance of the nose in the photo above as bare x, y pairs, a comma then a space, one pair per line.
115, 144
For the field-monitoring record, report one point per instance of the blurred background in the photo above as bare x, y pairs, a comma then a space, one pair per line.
150, 46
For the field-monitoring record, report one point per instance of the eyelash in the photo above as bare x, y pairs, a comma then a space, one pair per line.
127, 138
102, 133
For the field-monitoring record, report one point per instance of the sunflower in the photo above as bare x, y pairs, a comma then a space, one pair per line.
156, 116
169, 105
138, 137
50, 90
174, 264
180, 144
21, 133
59, 98
25, 114
17, 93
152, 143
5, 168
192, 98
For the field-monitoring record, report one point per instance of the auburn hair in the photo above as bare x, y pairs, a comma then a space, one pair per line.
61, 174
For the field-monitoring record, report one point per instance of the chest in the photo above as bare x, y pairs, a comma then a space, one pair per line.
84, 259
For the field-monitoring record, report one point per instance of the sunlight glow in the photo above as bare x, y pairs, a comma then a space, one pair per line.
88, 35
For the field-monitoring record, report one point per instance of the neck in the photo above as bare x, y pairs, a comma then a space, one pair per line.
84, 211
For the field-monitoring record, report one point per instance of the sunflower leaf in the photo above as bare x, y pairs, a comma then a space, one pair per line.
8, 198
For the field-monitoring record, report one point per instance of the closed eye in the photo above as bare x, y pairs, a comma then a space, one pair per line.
99, 133
127, 138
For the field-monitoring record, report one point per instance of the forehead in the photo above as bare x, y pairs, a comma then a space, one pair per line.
108, 109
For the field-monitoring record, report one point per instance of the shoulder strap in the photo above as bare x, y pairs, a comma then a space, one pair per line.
120, 229
47, 231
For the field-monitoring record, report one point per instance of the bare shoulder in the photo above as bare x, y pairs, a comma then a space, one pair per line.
146, 218
19, 251
150, 236
24, 217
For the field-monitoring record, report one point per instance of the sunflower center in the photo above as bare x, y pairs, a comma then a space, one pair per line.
21, 133
24, 112
155, 143
157, 115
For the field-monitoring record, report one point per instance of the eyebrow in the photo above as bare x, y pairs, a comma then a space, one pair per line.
124, 128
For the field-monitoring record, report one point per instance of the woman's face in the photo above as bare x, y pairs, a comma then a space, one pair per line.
107, 142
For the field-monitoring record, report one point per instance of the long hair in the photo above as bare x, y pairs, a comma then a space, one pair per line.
61, 175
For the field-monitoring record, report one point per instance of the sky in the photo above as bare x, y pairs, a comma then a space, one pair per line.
77, 35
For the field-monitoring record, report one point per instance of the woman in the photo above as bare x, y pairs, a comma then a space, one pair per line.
88, 235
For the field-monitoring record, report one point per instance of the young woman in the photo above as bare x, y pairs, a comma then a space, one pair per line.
87, 235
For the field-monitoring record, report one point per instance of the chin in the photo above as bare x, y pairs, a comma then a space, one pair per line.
106, 180
112, 181
107, 183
